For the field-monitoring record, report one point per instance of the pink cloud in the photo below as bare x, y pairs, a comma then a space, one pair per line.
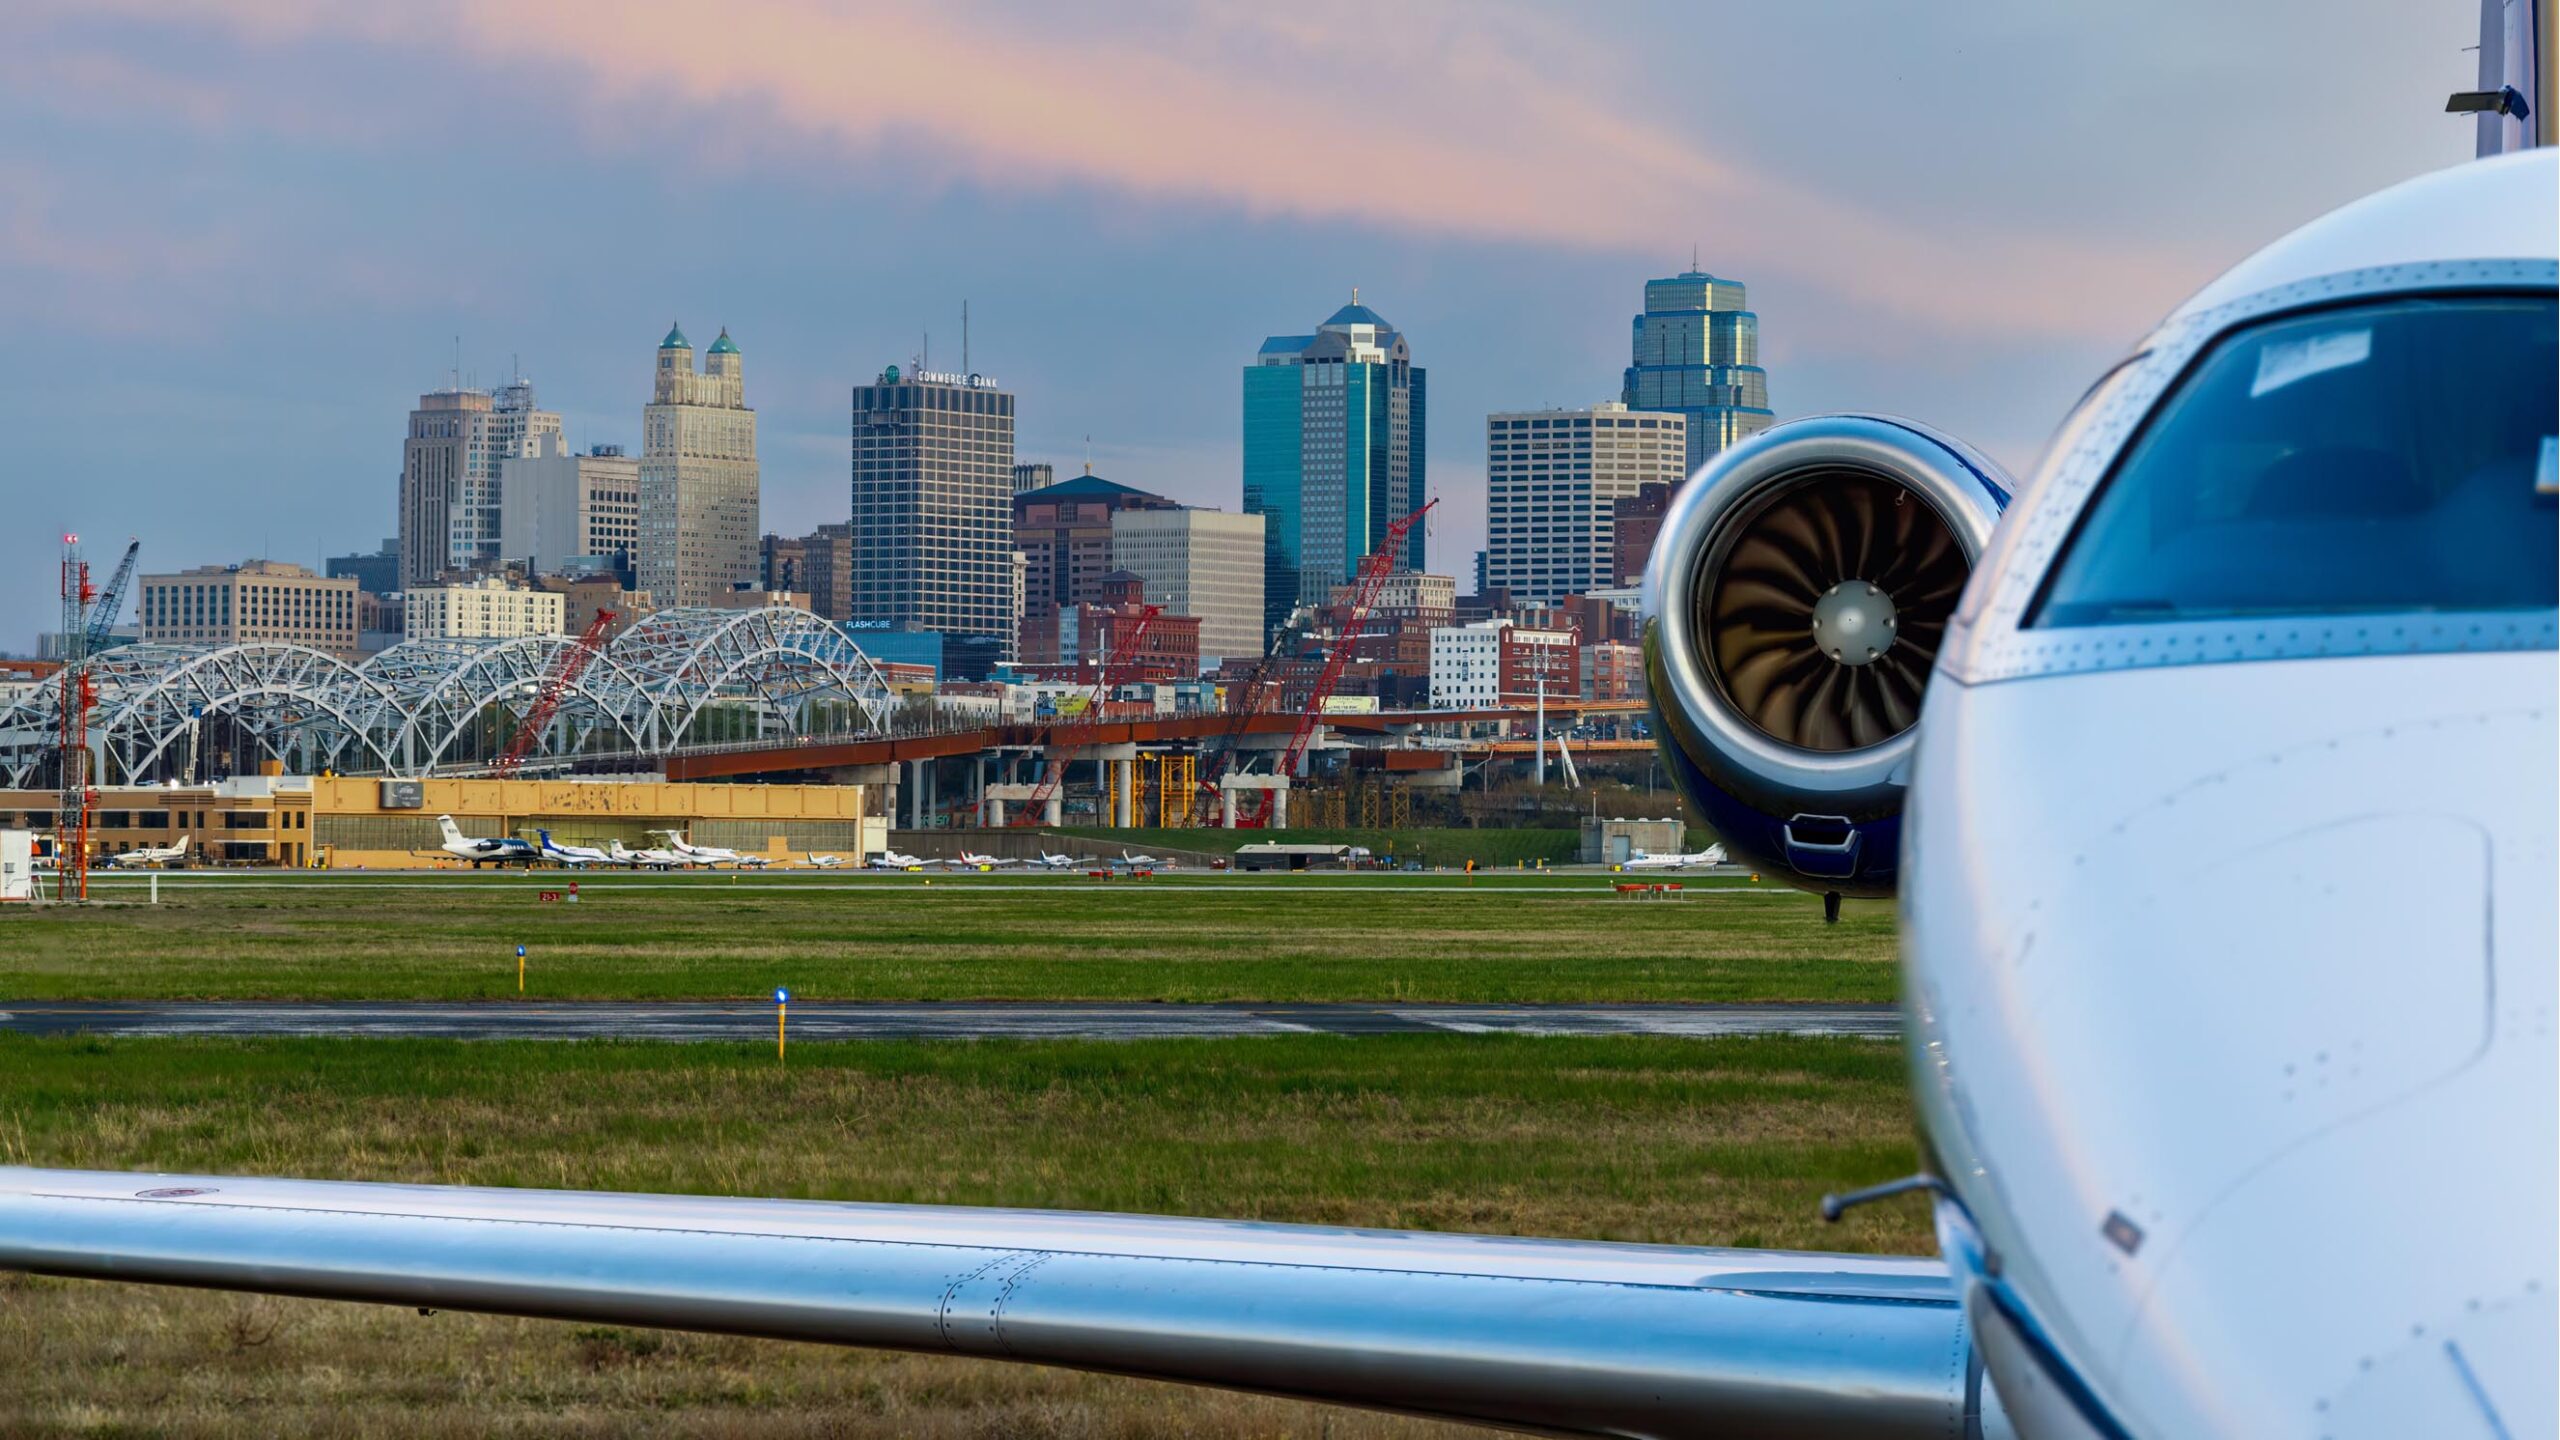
1470, 121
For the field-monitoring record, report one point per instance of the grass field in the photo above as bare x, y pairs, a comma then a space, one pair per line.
1491, 847
1392, 938
1623, 1138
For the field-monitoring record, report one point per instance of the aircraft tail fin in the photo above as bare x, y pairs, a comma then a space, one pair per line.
452, 832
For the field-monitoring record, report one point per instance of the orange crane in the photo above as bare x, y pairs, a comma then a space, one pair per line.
1047, 790
566, 666
1364, 594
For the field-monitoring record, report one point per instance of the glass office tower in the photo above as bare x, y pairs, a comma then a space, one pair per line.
1333, 453
1697, 351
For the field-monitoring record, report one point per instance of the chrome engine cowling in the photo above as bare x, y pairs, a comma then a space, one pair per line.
1797, 595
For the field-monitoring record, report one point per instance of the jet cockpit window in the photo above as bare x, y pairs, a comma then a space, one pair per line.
2374, 459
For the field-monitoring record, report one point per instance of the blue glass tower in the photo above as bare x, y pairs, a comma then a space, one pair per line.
1333, 453
1697, 351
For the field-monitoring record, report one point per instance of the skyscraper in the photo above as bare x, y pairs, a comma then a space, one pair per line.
700, 502
1697, 351
555, 507
1063, 533
1333, 452
1205, 563
1552, 482
818, 565
932, 511
449, 490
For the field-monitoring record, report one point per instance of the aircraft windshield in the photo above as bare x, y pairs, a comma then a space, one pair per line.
2379, 458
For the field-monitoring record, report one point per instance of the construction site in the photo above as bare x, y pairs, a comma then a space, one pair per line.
768, 730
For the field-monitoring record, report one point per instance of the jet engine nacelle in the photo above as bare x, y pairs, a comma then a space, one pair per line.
1799, 590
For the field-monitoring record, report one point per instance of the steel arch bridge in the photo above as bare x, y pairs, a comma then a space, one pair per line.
447, 703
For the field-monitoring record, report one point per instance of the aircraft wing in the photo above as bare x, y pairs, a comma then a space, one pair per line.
1558, 1337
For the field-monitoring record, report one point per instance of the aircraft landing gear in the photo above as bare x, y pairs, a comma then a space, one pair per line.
1830, 907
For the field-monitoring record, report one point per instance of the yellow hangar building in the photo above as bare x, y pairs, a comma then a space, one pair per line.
341, 822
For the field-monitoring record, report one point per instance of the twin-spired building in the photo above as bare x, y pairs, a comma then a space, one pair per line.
700, 505
1333, 453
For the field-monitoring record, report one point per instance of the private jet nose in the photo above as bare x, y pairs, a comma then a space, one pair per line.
2232, 1000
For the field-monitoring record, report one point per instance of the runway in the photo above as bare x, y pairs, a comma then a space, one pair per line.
825, 1020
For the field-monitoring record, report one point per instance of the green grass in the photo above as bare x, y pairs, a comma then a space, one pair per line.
1449, 847
1626, 1138
1500, 939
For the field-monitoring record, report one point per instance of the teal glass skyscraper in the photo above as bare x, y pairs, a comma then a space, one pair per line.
1333, 453
1697, 351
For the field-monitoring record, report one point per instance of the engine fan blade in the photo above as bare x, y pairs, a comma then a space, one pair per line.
1829, 530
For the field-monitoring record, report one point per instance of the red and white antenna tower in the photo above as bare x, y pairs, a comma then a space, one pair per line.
79, 693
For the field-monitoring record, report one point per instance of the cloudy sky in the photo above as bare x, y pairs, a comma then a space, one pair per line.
238, 237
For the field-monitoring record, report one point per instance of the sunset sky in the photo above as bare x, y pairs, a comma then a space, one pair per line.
238, 237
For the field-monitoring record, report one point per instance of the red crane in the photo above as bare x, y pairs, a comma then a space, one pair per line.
1364, 594
566, 666
1047, 789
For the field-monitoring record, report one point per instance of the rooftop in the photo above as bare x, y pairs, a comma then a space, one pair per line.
1085, 487
1356, 313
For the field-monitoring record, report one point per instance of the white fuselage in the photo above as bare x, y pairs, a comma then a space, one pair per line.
2230, 945
2312, 1095
707, 855
148, 856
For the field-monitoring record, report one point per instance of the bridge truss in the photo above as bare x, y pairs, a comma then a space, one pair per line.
673, 679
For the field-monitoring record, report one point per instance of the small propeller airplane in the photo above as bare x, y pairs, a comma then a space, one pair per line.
825, 862
146, 856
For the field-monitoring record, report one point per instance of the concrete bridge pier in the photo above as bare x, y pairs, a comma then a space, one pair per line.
1001, 797
1229, 785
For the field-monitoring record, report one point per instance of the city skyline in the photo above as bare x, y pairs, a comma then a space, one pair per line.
197, 227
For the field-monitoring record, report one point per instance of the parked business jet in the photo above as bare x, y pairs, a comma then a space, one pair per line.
576, 857
494, 850
892, 860
2224, 1138
1712, 855
709, 856
145, 856
643, 859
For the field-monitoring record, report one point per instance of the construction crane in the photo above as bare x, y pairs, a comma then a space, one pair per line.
102, 618
1047, 789
565, 668
1364, 594
1248, 706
